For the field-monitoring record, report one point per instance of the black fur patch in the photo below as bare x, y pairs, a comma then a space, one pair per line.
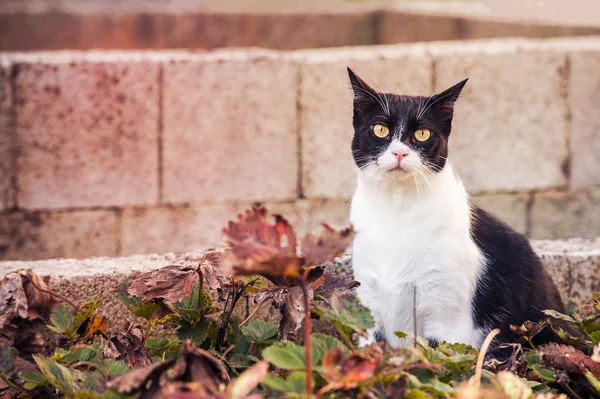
514, 287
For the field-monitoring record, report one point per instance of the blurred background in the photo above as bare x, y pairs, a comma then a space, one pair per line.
143, 126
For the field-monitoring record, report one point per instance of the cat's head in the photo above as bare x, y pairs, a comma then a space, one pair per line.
399, 137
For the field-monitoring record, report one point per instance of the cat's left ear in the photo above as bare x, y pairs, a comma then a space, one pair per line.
443, 103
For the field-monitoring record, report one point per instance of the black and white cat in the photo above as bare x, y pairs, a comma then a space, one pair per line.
416, 227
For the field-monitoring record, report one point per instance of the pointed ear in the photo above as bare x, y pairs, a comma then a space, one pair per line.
443, 103
363, 93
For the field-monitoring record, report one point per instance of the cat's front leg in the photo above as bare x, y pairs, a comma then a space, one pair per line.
457, 329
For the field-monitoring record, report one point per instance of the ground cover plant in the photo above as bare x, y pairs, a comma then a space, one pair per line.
216, 346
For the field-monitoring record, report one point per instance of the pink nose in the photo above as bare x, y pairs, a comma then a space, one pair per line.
400, 154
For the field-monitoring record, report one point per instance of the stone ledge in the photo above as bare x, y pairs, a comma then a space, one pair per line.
574, 265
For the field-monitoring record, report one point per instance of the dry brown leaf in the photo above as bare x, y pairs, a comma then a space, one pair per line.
345, 372
96, 326
13, 301
258, 247
171, 283
291, 307
39, 304
328, 283
567, 358
137, 379
330, 244
202, 367
129, 347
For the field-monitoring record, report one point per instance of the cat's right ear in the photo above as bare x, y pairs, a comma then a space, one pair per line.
363, 94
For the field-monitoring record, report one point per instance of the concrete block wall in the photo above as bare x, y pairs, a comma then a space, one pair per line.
114, 153
92, 24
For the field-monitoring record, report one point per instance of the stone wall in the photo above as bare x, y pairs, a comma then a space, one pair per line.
45, 25
573, 264
114, 153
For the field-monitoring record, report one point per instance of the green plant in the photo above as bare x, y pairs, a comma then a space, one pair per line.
218, 348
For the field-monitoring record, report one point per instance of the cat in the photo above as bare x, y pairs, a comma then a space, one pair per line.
418, 233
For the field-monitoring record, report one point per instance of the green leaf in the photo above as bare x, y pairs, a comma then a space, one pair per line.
194, 307
287, 356
558, 316
321, 343
33, 380
86, 310
428, 382
546, 374
513, 386
240, 361
566, 336
295, 382
532, 358
61, 319
346, 309
8, 355
85, 354
166, 347
144, 309
260, 331
595, 336
197, 332
57, 375
116, 367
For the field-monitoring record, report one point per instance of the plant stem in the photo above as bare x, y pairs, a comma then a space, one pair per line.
573, 394
14, 386
54, 295
256, 309
221, 335
307, 337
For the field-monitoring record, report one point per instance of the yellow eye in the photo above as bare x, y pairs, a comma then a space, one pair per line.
422, 134
381, 131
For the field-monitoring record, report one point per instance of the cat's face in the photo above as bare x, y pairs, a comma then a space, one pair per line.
400, 137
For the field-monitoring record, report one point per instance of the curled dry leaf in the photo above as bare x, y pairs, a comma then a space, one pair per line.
208, 267
345, 372
291, 307
241, 387
129, 347
201, 366
567, 358
140, 378
329, 283
171, 283
330, 244
13, 301
529, 329
258, 247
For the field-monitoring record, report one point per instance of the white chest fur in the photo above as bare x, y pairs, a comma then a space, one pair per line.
417, 238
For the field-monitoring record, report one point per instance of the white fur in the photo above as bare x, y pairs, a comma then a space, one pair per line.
413, 230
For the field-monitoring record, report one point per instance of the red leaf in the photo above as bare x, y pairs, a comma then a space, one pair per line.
330, 244
567, 358
171, 283
346, 372
258, 247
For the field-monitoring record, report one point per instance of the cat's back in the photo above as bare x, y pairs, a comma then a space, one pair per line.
514, 286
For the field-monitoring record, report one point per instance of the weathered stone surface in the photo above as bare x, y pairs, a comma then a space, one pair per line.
510, 208
230, 128
584, 98
509, 131
56, 234
277, 30
188, 227
558, 214
7, 150
573, 264
87, 132
326, 107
